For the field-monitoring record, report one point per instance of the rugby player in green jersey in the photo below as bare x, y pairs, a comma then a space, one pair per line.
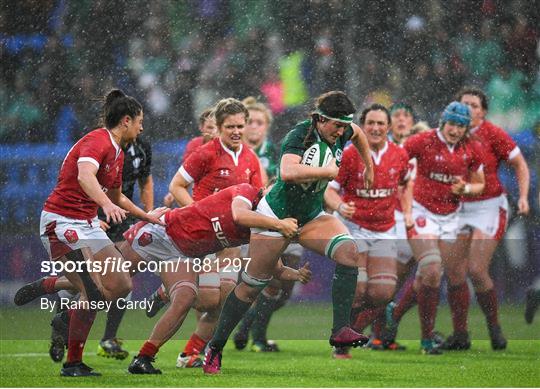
331, 123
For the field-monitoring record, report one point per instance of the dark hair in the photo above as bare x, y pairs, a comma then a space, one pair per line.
116, 105
375, 107
205, 115
334, 104
227, 107
471, 90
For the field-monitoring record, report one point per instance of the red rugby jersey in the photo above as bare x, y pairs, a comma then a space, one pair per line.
497, 146
207, 226
438, 165
192, 145
374, 207
68, 198
214, 167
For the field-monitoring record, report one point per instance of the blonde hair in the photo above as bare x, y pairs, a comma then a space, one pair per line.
227, 107
419, 127
252, 104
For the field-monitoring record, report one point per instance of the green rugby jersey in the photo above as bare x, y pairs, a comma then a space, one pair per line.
293, 200
267, 155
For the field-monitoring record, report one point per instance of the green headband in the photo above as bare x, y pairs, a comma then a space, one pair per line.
343, 119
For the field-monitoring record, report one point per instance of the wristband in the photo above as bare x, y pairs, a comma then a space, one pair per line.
467, 189
339, 207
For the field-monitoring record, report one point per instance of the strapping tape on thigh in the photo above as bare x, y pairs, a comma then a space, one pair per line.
335, 242
254, 282
229, 274
429, 257
383, 279
209, 280
362, 275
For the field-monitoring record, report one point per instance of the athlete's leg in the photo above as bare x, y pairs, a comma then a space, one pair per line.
455, 267
426, 251
481, 253
328, 236
265, 252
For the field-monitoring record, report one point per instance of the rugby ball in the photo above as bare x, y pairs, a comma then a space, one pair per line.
318, 155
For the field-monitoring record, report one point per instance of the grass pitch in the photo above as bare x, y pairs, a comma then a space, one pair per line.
304, 361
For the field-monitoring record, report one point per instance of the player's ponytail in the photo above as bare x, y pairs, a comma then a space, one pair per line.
116, 105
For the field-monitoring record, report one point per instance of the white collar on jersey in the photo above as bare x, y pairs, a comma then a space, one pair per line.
377, 156
235, 155
116, 147
473, 130
441, 137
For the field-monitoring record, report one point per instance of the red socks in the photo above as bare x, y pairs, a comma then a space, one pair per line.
48, 285
459, 299
488, 303
428, 299
80, 323
366, 317
406, 301
195, 345
149, 349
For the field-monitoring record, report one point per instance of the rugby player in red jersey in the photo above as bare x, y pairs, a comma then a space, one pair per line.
446, 158
369, 215
90, 177
207, 226
224, 161
482, 223
208, 129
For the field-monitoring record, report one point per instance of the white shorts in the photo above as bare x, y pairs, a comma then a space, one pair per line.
428, 223
489, 216
377, 244
61, 235
295, 249
264, 209
404, 250
152, 243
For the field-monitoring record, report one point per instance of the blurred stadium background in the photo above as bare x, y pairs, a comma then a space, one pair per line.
178, 58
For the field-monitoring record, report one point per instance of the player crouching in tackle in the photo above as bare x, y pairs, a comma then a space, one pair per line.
90, 177
205, 227
309, 157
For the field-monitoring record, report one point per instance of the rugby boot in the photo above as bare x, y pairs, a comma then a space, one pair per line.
341, 353
498, 341
78, 369
240, 340
142, 364
188, 360
112, 348
30, 292
267, 346
430, 347
457, 341
346, 336
156, 306
212, 361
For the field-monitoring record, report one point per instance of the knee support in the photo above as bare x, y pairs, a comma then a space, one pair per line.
429, 257
175, 288
254, 282
335, 243
92, 291
383, 279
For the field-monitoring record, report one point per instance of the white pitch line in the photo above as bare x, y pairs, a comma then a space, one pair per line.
24, 355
